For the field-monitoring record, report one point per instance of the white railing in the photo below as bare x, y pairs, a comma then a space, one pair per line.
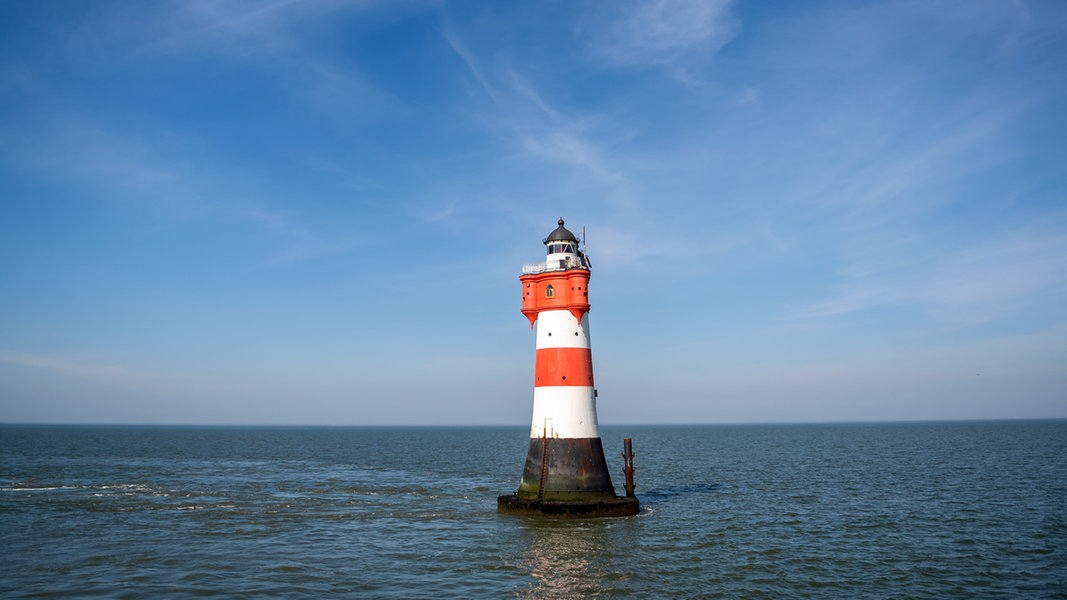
533, 268
554, 265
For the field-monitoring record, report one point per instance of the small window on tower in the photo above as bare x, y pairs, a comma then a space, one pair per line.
549, 292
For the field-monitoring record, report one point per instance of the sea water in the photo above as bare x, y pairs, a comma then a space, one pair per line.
903, 510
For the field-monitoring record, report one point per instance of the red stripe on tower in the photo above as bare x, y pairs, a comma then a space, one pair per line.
564, 366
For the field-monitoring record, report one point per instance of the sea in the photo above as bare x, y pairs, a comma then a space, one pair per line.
890, 510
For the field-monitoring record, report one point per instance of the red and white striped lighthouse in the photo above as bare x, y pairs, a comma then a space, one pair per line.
565, 474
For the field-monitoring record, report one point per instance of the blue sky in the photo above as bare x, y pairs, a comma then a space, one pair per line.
314, 212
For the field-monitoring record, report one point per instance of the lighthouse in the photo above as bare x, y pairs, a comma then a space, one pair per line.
566, 474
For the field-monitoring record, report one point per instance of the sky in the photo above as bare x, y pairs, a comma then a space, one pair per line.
316, 212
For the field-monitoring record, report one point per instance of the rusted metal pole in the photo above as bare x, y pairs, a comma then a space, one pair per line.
628, 465
544, 464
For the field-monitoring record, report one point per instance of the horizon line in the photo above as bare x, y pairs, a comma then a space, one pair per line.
31, 424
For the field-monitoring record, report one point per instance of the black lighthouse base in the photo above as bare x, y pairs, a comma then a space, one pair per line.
619, 506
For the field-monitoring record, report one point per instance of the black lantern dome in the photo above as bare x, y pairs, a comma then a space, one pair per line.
561, 234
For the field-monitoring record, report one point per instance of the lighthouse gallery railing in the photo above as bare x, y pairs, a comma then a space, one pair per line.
555, 265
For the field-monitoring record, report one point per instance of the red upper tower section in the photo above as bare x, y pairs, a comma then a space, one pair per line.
559, 283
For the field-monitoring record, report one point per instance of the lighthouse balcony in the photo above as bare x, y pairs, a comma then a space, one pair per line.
552, 264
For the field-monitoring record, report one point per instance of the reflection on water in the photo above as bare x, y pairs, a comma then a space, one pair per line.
574, 559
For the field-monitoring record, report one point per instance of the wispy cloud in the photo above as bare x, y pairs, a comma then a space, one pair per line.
899, 185
875, 167
976, 283
440, 212
79, 148
112, 375
662, 31
587, 153
280, 38
301, 243
537, 127
1000, 276
471, 62
167, 176
242, 29
569, 147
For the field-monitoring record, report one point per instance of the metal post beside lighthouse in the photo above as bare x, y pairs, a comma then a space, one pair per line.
566, 474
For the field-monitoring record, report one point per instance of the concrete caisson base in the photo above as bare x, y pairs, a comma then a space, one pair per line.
575, 471
619, 506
